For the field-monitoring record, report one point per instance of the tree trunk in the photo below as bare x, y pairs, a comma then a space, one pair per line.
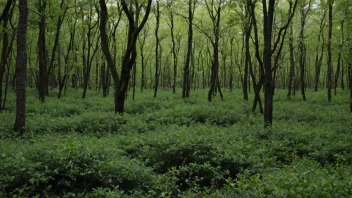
248, 29
302, 58
21, 64
131, 52
329, 74
5, 46
157, 45
292, 64
186, 72
42, 57
319, 58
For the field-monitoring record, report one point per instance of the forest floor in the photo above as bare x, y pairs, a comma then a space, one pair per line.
170, 147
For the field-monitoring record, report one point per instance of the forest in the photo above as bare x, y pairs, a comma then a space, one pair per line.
175, 98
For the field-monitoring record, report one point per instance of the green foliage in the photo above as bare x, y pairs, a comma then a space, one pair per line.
169, 147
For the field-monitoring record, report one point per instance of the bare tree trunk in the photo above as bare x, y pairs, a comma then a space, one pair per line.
248, 29
186, 72
302, 58
42, 57
21, 64
157, 45
319, 58
339, 58
292, 64
143, 64
5, 48
329, 77
131, 51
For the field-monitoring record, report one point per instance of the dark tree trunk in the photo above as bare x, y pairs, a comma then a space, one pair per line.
215, 15
339, 58
106, 50
62, 82
5, 49
248, 29
42, 57
89, 55
59, 22
269, 49
21, 64
319, 58
329, 74
174, 52
131, 52
5, 11
292, 64
141, 44
157, 47
302, 58
186, 72
134, 81
350, 85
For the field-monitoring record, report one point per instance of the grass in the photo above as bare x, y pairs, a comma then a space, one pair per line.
169, 147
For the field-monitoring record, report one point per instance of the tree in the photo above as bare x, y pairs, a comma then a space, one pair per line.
319, 58
89, 48
174, 47
157, 46
21, 66
302, 60
292, 63
214, 11
329, 74
186, 74
141, 42
130, 55
6, 45
42, 51
5, 10
270, 54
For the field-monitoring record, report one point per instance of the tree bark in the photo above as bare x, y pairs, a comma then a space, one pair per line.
21, 64
157, 47
302, 58
5, 46
329, 74
131, 51
319, 58
186, 69
292, 63
42, 57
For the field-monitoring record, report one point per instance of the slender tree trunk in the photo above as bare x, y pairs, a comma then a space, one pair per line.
62, 81
134, 81
42, 57
141, 44
21, 64
59, 22
340, 57
319, 58
157, 45
329, 77
186, 72
248, 29
292, 64
5, 46
215, 13
174, 53
302, 58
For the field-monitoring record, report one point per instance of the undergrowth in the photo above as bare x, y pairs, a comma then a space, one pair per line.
169, 147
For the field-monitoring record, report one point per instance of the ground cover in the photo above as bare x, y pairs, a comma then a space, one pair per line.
169, 147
